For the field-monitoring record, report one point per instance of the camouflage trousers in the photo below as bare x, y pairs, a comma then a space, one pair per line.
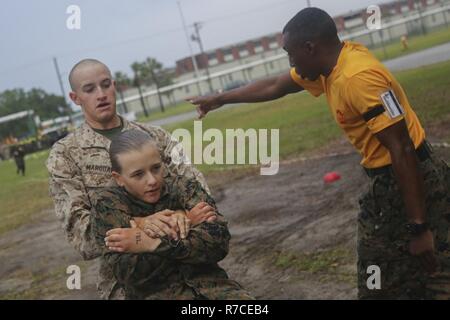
196, 289
204, 289
383, 239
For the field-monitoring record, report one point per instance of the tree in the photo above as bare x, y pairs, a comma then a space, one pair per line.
122, 83
138, 70
151, 68
166, 76
156, 74
152, 72
47, 106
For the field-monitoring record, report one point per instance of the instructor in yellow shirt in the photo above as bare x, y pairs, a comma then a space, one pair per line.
404, 220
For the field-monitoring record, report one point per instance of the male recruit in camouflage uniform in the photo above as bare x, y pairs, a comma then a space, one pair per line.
79, 166
183, 269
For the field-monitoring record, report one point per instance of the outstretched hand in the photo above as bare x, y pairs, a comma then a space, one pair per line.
205, 104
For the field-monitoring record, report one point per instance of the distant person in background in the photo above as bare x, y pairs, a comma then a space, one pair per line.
404, 41
19, 158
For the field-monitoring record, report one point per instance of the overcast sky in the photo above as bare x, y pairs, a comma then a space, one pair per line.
121, 32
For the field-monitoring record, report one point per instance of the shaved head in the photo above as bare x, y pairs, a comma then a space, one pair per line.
94, 90
311, 40
85, 63
312, 24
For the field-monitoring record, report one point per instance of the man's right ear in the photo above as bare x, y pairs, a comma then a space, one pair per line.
74, 97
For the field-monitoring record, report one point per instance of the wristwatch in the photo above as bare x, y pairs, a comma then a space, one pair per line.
416, 229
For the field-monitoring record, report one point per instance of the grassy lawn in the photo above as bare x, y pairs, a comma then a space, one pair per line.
325, 265
23, 198
169, 111
305, 123
415, 43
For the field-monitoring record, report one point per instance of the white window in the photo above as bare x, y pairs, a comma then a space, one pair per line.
213, 61
228, 57
273, 45
243, 53
259, 49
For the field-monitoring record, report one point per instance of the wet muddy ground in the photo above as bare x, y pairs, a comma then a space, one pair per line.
293, 236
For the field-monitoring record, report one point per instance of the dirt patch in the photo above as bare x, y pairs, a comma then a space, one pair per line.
439, 131
293, 236
34, 262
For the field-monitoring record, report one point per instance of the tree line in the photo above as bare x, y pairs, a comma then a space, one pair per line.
149, 72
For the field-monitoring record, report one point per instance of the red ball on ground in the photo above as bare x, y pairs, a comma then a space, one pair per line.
331, 177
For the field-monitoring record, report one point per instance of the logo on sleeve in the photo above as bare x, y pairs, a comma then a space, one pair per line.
393, 107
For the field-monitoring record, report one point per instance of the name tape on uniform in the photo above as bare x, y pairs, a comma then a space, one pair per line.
391, 104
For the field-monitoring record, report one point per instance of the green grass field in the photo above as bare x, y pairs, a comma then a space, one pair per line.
415, 43
169, 111
305, 123
23, 198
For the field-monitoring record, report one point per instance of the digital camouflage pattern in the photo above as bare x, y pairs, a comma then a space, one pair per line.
186, 269
79, 166
383, 238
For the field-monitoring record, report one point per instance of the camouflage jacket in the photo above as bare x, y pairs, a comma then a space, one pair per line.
79, 165
159, 275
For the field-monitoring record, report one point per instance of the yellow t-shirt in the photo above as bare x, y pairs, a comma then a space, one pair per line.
357, 84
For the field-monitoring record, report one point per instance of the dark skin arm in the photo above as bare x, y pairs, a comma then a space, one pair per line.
405, 165
259, 91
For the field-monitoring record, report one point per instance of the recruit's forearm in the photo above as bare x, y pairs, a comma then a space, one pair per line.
206, 243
